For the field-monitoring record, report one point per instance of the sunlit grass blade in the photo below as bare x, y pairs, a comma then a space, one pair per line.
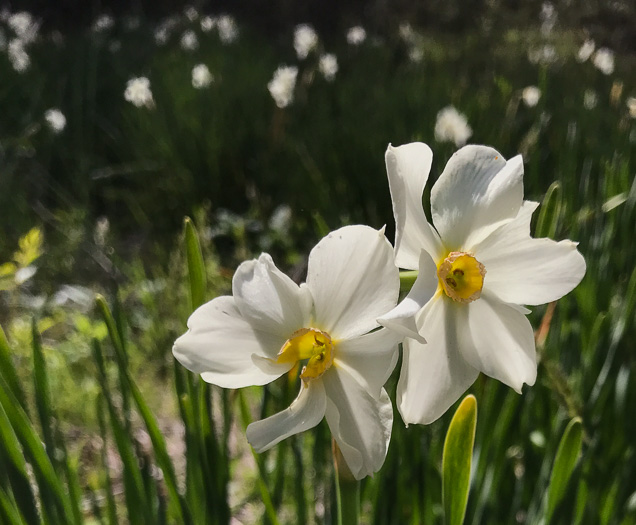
110, 499
457, 459
48, 480
550, 212
14, 466
138, 506
564, 462
42, 395
196, 265
262, 483
8, 370
9, 514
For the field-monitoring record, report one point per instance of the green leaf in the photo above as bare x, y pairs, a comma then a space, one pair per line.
564, 463
8, 370
42, 396
196, 266
456, 461
550, 212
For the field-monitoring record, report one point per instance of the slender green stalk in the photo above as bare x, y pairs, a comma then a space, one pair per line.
347, 490
407, 279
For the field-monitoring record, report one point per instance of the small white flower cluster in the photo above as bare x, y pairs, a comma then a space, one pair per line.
138, 93
531, 96
227, 28
282, 85
189, 41
25, 31
452, 126
356, 35
201, 76
305, 40
603, 60
55, 120
103, 23
328, 66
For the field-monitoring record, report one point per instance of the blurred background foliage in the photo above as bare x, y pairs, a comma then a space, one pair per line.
99, 205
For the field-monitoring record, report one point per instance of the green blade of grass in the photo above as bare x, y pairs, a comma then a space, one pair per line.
564, 462
550, 212
110, 499
42, 395
45, 473
457, 459
196, 265
8, 370
8, 512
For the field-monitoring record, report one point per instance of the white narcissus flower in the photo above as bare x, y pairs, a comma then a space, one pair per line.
328, 66
477, 264
201, 76
55, 119
281, 86
327, 327
603, 60
138, 92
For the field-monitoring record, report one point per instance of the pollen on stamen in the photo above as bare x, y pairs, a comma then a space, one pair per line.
461, 276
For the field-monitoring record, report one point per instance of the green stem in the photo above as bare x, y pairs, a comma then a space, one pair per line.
347, 490
407, 279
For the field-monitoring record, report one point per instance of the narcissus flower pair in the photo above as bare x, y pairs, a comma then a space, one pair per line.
476, 266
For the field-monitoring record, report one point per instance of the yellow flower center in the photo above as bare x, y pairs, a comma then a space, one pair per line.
461, 276
313, 345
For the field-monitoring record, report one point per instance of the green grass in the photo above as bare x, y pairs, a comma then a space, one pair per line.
90, 398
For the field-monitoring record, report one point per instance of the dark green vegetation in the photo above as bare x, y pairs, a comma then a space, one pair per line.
93, 393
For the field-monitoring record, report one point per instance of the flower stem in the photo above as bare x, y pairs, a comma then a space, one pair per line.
407, 279
347, 490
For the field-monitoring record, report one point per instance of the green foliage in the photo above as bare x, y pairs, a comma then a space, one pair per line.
564, 462
457, 459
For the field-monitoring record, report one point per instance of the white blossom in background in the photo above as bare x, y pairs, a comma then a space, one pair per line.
189, 41
228, 30
548, 18
164, 30
55, 119
356, 35
328, 66
18, 56
326, 329
24, 26
201, 76
407, 33
546, 54
280, 221
416, 54
103, 23
138, 93
530, 96
305, 40
603, 60
282, 85
478, 267
590, 99
191, 13
631, 106
207, 24
586, 50
24, 274
452, 126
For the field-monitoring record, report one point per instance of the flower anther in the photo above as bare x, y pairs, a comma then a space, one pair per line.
312, 345
461, 276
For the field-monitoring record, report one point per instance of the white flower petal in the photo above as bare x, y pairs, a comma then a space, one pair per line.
370, 359
523, 270
434, 375
220, 344
477, 191
353, 281
304, 413
269, 299
408, 167
402, 318
503, 342
360, 424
